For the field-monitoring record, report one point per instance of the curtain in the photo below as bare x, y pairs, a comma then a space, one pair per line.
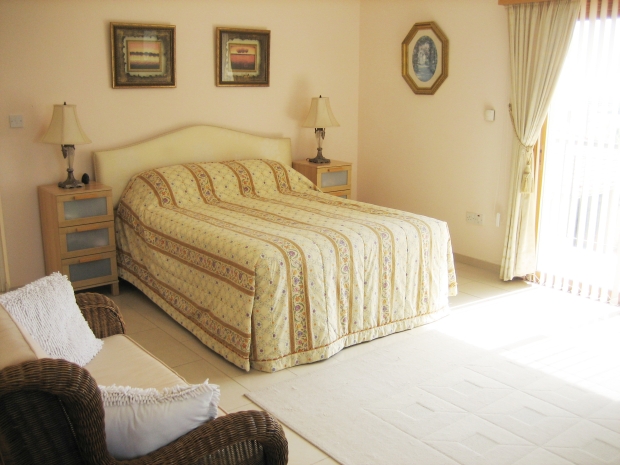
579, 248
540, 34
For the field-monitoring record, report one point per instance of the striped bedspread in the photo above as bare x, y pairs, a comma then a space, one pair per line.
271, 273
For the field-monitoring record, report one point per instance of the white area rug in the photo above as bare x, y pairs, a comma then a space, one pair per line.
527, 379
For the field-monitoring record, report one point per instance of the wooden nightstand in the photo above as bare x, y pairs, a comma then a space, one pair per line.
78, 234
332, 178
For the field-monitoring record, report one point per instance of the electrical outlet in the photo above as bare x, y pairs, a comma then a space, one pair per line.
474, 218
16, 121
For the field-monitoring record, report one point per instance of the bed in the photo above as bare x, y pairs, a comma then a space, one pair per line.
218, 230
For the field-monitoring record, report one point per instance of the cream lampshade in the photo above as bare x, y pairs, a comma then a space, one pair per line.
65, 129
320, 117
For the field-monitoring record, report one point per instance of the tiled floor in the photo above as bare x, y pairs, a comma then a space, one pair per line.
162, 336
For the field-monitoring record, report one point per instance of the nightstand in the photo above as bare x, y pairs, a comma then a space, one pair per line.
332, 178
78, 234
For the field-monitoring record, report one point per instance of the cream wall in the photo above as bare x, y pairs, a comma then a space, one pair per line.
56, 51
436, 155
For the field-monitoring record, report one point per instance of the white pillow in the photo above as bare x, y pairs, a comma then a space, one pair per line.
139, 421
46, 308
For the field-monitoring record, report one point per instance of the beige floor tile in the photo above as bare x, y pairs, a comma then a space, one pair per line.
219, 362
481, 290
462, 299
249, 406
165, 347
460, 280
130, 296
232, 394
475, 274
135, 322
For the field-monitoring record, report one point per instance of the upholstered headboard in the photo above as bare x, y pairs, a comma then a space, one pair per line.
192, 144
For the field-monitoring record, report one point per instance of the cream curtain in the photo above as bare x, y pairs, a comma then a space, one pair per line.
540, 34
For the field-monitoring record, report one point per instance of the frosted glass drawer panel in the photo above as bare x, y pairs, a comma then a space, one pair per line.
90, 270
335, 178
85, 208
87, 239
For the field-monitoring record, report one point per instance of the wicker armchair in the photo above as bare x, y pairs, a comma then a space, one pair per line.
51, 413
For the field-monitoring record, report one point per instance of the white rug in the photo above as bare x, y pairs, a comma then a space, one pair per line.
527, 379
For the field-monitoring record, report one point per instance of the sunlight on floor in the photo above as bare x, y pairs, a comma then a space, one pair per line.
556, 333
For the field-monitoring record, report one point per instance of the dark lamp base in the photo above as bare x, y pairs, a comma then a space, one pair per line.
319, 157
70, 182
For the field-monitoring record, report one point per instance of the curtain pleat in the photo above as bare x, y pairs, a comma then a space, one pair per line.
540, 34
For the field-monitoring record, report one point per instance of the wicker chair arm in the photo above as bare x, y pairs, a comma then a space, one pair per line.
79, 396
230, 438
241, 437
101, 313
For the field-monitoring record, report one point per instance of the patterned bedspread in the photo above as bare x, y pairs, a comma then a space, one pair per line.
268, 271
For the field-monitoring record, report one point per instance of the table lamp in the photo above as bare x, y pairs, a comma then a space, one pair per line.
320, 117
65, 130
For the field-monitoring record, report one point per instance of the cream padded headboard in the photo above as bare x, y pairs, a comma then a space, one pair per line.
192, 144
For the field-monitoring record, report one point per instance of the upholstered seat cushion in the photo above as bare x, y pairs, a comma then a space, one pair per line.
123, 362
16, 345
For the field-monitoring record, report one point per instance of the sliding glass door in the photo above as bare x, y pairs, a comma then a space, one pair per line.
579, 234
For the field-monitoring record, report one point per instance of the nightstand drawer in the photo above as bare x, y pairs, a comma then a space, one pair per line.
329, 177
91, 270
334, 178
86, 239
92, 206
341, 194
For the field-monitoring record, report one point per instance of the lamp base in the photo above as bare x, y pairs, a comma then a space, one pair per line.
70, 182
319, 157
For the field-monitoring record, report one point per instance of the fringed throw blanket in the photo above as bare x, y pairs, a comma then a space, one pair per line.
268, 271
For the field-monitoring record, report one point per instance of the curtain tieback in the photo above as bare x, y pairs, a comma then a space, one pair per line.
527, 177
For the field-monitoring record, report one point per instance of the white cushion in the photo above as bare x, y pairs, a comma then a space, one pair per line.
139, 421
46, 308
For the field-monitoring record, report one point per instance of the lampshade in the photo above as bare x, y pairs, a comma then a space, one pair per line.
65, 128
320, 114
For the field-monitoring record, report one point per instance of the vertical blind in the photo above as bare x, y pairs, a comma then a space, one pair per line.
579, 235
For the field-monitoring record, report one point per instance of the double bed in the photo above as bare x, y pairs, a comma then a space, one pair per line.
218, 230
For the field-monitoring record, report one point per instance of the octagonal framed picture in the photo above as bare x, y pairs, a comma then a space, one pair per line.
425, 58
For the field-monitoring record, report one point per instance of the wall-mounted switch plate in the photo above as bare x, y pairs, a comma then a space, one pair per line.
16, 121
474, 218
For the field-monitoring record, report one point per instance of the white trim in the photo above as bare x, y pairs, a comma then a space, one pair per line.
5, 281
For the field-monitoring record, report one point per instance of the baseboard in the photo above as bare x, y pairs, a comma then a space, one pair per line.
476, 262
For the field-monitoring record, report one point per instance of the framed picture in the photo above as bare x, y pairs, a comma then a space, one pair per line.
242, 57
425, 58
143, 55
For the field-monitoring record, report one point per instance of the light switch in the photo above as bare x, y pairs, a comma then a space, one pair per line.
16, 121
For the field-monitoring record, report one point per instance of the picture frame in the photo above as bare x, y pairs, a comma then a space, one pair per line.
425, 58
242, 57
143, 55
